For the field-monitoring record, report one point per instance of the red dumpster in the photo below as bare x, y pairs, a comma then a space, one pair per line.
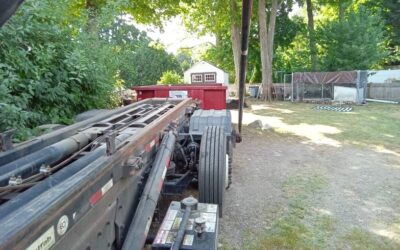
211, 96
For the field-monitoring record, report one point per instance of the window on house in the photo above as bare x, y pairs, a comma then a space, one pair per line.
209, 77
197, 78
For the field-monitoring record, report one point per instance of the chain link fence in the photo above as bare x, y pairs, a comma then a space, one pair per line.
342, 86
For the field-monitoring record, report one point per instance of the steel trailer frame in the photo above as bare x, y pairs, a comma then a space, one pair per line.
66, 215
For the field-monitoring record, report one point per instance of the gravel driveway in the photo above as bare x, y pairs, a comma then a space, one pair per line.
287, 194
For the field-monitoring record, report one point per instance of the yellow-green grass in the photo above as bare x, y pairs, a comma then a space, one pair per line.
299, 227
302, 227
375, 125
358, 239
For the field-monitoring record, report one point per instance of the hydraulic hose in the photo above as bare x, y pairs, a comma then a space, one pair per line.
31, 164
140, 224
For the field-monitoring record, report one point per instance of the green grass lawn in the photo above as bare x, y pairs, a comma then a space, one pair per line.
374, 125
303, 228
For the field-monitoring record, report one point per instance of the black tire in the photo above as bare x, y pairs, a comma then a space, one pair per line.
212, 167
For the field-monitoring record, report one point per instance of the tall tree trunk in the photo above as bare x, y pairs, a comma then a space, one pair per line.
342, 9
271, 35
263, 33
91, 8
267, 44
311, 35
235, 40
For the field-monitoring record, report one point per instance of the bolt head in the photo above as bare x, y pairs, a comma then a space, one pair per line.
200, 221
189, 202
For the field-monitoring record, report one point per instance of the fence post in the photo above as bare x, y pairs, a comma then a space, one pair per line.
292, 89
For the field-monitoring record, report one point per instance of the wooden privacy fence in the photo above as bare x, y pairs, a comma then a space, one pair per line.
384, 91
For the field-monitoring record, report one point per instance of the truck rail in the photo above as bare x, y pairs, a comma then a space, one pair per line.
70, 184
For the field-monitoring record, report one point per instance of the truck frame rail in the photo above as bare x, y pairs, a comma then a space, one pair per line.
79, 187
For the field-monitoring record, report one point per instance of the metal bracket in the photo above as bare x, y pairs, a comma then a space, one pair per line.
189, 111
6, 140
14, 181
45, 169
133, 164
110, 144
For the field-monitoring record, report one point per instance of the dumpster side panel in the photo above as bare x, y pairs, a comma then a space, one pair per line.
162, 92
210, 96
146, 94
214, 99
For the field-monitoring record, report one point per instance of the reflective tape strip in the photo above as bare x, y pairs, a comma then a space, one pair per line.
167, 162
95, 197
107, 187
101, 192
150, 145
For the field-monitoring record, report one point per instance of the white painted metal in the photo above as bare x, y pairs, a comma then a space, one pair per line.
345, 94
381, 101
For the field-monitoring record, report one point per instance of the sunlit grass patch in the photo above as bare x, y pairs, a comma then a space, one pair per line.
304, 226
362, 240
301, 186
300, 227
373, 125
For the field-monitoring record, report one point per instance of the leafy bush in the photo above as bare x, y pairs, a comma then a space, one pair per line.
58, 58
170, 77
49, 71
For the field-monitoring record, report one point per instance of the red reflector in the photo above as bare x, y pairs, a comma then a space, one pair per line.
150, 145
95, 197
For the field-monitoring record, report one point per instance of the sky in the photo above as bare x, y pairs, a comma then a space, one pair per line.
175, 36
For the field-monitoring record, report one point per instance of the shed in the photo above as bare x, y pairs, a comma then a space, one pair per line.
204, 72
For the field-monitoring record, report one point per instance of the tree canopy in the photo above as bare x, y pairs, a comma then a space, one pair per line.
356, 42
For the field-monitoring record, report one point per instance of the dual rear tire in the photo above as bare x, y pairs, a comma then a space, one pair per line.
213, 172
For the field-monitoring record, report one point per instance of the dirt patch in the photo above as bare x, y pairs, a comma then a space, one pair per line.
291, 194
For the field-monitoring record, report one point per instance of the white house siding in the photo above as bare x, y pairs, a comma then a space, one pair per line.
226, 78
204, 67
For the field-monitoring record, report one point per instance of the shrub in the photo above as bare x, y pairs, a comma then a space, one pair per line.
170, 77
50, 71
